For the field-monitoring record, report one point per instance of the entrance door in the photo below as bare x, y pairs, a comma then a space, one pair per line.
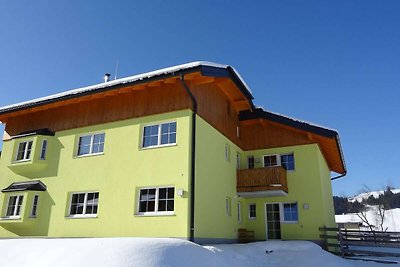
273, 221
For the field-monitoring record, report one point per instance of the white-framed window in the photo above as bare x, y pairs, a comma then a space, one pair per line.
24, 151
84, 204
227, 152
228, 206
35, 202
238, 160
287, 161
290, 213
159, 134
239, 214
156, 200
43, 150
271, 160
252, 211
91, 144
14, 206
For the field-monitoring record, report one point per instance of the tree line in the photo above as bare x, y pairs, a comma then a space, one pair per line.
387, 200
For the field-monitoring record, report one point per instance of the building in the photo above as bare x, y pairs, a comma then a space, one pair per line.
178, 152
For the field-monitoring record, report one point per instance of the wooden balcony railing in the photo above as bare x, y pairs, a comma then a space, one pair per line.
262, 179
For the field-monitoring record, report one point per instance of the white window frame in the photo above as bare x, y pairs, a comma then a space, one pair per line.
155, 212
278, 160
91, 145
83, 215
255, 210
159, 135
228, 206
34, 206
227, 152
14, 215
25, 158
282, 211
43, 149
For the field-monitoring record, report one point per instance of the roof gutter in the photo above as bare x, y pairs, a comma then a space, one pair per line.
193, 157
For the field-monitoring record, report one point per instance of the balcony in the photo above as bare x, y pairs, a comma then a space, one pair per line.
262, 182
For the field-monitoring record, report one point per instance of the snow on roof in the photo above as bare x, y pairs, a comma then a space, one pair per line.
126, 80
347, 218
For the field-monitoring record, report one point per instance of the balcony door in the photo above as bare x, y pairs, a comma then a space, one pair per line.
273, 221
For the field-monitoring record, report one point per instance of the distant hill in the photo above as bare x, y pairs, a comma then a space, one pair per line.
375, 194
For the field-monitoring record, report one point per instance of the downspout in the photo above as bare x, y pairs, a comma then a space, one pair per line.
193, 157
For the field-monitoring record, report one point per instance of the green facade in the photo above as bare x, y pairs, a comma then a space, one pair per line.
125, 167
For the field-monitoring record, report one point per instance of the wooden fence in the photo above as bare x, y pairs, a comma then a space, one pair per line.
361, 243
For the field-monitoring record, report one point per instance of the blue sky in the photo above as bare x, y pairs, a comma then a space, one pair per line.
334, 63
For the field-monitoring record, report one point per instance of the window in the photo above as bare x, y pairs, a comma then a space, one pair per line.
290, 212
91, 144
252, 211
287, 161
250, 162
271, 160
34, 206
24, 151
238, 160
154, 200
43, 150
84, 204
227, 152
228, 206
14, 206
159, 134
239, 207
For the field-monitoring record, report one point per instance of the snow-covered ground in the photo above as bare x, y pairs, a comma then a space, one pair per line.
391, 221
143, 252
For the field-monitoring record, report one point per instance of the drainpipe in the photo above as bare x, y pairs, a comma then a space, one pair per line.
193, 157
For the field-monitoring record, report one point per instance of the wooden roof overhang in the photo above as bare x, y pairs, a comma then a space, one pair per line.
327, 139
226, 77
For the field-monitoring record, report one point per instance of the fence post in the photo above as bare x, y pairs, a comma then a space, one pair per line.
341, 242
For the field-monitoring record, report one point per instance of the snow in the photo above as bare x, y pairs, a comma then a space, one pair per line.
150, 252
391, 221
130, 79
366, 195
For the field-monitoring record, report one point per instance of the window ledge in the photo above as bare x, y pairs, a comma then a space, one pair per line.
290, 222
160, 146
10, 218
21, 161
88, 155
154, 214
88, 216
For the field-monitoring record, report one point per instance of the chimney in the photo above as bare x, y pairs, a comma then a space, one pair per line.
107, 77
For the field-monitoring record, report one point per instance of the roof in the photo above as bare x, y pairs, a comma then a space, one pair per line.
286, 120
260, 113
36, 185
207, 69
44, 131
